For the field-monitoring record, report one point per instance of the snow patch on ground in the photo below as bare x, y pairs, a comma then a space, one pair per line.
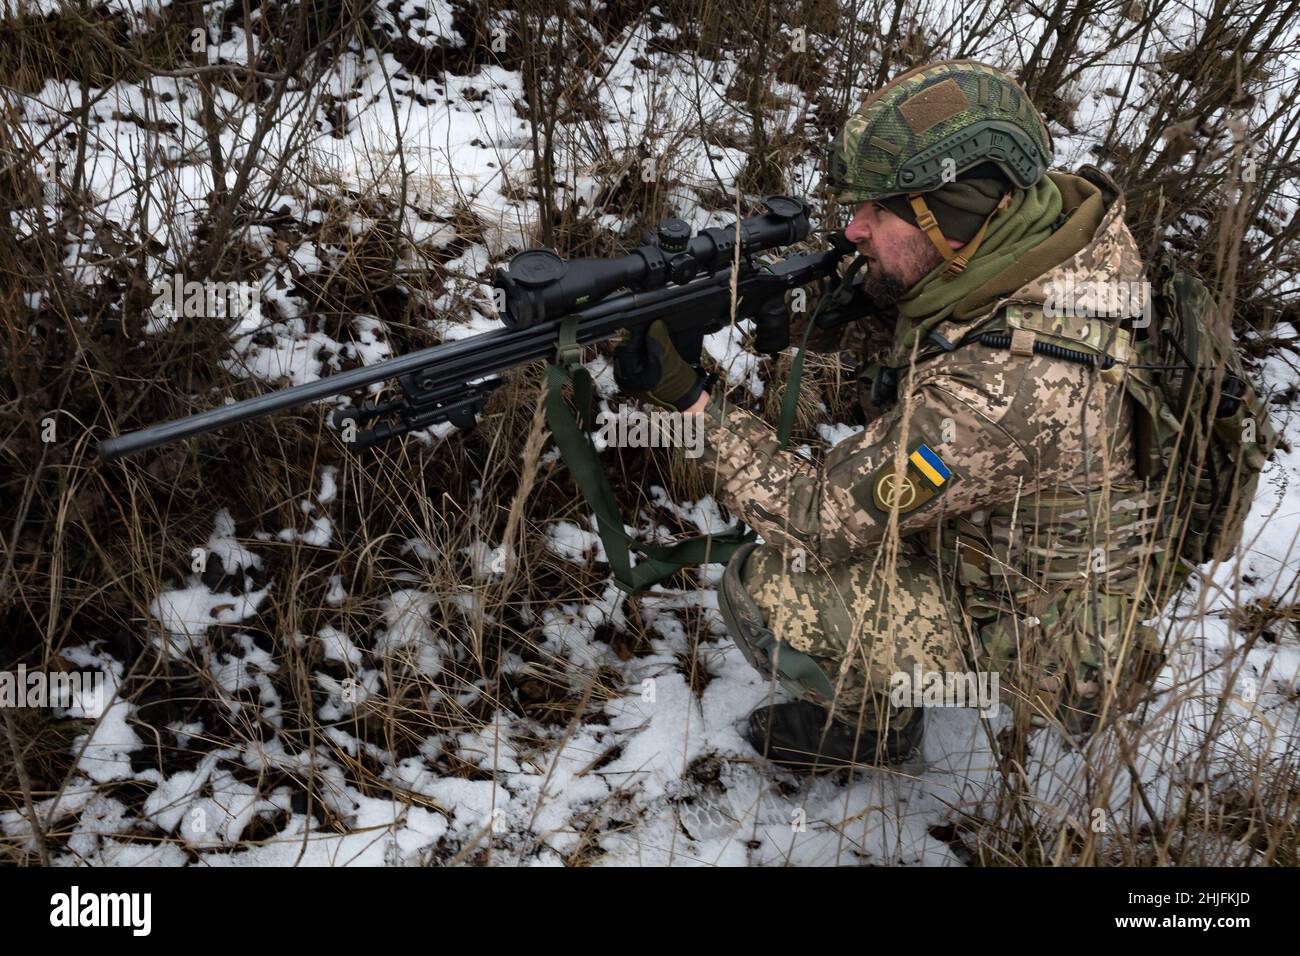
659, 774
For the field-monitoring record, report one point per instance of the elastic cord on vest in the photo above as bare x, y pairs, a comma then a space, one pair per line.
1002, 340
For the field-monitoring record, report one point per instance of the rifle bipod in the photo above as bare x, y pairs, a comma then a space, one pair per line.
425, 402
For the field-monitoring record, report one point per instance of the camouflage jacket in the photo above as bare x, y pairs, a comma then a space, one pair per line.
984, 438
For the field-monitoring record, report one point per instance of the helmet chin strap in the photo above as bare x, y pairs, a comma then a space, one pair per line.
957, 261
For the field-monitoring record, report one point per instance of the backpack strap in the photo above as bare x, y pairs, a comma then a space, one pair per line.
1110, 191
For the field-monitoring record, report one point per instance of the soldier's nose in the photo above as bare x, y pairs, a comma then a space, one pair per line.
858, 231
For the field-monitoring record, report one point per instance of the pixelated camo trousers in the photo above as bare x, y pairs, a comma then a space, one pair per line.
841, 634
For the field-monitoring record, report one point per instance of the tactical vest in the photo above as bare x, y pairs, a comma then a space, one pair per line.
1006, 555
1202, 434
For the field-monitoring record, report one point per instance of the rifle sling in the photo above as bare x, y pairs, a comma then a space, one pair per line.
579, 453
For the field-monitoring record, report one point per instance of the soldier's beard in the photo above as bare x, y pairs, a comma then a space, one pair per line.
884, 290
885, 287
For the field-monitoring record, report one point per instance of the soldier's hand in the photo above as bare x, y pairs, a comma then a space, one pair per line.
648, 366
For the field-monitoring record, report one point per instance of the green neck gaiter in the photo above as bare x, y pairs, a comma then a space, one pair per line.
1026, 223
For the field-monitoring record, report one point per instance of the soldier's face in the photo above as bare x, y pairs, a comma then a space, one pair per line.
899, 254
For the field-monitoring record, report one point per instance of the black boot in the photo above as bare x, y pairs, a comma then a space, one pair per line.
791, 734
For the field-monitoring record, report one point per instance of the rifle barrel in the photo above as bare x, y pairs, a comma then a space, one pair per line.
478, 356
465, 359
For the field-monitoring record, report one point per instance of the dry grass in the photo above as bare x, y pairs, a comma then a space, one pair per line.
87, 546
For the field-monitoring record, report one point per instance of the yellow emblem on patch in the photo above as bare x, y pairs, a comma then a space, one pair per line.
890, 492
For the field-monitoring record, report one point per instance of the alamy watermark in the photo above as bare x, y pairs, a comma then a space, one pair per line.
75, 909
24, 688
978, 689
633, 428
176, 297
1099, 298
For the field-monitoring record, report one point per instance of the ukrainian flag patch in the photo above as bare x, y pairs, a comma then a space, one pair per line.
930, 465
924, 478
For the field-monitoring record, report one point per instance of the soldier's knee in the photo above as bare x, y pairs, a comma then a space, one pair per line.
797, 672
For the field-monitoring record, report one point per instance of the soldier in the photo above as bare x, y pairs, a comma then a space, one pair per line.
989, 518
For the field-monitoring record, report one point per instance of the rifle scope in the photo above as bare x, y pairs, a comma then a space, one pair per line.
539, 286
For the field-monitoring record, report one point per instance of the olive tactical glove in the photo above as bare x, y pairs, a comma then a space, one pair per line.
648, 366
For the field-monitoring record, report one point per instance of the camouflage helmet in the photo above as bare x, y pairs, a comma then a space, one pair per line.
898, 140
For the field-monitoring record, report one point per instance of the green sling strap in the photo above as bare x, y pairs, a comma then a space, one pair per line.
579, 453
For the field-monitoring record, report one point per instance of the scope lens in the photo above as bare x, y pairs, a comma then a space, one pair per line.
783, 206
536, 268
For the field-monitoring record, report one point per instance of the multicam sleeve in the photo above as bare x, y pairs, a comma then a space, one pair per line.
956, 459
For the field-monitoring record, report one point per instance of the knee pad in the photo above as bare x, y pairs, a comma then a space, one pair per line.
798, 673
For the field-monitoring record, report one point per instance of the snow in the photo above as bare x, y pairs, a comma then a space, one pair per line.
573, 543
658, 773
337, 646
320, 534
106, 750
835, 433
187, 613
408, 615
739, 365
328, 485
